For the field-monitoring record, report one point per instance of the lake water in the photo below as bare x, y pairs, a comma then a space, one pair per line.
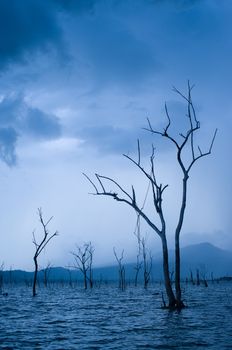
106, 318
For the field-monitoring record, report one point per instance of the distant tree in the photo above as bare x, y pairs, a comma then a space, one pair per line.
70, 282
39, 247
11, 276
1, 276
191, 278
144, 257
187, 154
212, 277
203, 276
198, 277
83, 261
46, 272
121, 271
147, 263
137, 268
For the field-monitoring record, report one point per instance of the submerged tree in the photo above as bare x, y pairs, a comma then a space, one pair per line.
138, 267
187, 154
39, 247
1, 276
147, 263
46, 272
144, 257
83, 261
121, 270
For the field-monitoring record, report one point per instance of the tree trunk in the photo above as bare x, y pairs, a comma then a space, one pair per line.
167, 281
136, 277
179, 302
35, 276
85, 280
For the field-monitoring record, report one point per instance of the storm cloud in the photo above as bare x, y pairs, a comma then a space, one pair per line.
18, 119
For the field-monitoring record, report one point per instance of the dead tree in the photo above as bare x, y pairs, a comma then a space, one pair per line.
46, 272
70, 282
198, 277
191, 278
83, 261
142, 257
147, 264
187, 154
1, 276
121, 271
139, 263
203, 277
137, 268
39, 247
90, 277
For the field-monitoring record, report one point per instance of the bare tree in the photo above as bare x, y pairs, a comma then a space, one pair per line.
1, 276
137, 268
187, 154
143, 261
70, 277
191, 278
83, 261
46, 272
198, 277
90, 277
11, 276
121, 271
147, 263
39, 247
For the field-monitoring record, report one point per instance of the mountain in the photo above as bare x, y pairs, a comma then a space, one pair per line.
205, 257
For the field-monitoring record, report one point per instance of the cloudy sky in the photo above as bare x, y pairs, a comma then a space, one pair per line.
78, 78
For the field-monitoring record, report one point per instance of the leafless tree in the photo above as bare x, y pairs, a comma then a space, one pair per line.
83, 261
70, 280
90, 277
143, 261
1, 276
147, 263
46, 272
121, 271
198, 277
191, 278
204, 276
39, 247
137, 268
187, 154
11, 276
212, 277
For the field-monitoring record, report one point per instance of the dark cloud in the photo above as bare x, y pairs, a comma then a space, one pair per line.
179, 4
79, 6
16, 113
8, 139
41, 125
17, 118
26, 26
30, 26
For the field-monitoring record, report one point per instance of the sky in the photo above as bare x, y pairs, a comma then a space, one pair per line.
78, 78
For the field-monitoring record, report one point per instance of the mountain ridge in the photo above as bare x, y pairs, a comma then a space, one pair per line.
205, 257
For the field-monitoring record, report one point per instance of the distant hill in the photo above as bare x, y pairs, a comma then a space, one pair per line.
207, 258
204, 256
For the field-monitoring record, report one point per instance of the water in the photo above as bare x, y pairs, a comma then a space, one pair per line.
105, 318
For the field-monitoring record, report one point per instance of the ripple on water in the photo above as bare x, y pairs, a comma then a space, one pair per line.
106, 318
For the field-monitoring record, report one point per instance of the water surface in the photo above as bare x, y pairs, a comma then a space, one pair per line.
106, 318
